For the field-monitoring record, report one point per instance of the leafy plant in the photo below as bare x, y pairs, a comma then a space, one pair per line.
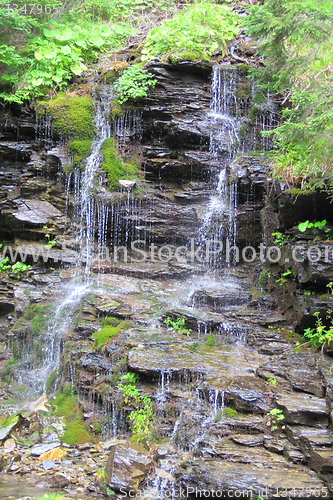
52, 496
303, 226
280, 238
275, 417
4, 266
143, 417
330, 286
39, 53
283, 281
272, 381
195, 33
51, 243
134, 83
19, 268
321, 333
178, 325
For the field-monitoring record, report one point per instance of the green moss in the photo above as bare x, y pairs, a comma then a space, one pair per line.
50, 381
263, 279
193, 347
26, 291
108, 332
96, 427
114, 166
104, 335
76, 433
297, 191
210, 340
230, 413
41, 321
109, 77
31, 310
79, 150
72, 117
65, 403
191, 56
111, 321
7, 370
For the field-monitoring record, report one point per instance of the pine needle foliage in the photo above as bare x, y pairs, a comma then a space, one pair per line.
297, 45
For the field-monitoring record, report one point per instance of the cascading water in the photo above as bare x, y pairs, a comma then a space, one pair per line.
84, 198
35, 372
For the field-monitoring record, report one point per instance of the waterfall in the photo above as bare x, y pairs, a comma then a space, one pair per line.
35, 372
87, 203
219, 220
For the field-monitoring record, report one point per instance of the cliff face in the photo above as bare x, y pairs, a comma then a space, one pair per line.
215, 380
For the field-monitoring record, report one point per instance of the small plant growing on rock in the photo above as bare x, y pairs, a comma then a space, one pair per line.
142, 418
275, 417
283, 281
134, 84
280, 238
178, 325
303, 226
19, 267
321, 333
51, 243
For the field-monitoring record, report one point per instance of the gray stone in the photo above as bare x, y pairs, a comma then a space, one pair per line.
48, 465
303, 409
128, 465
39, 449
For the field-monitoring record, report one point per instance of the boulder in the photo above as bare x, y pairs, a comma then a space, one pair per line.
127, 466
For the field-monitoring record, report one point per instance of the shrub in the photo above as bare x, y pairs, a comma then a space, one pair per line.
195, 33
134, 84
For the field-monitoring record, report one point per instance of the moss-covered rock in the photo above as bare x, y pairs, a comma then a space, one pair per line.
79, 150
114, 166
51, 381
111, 328
76, 433
72, 117
66, 405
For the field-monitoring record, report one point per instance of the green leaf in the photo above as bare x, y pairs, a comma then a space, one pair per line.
97, 40
63, 35
120, 30
78, 69
48, 33
80, 41
37, 81
38, 55
66, 50
48, 53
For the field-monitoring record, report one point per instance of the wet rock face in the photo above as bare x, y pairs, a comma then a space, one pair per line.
212, 389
